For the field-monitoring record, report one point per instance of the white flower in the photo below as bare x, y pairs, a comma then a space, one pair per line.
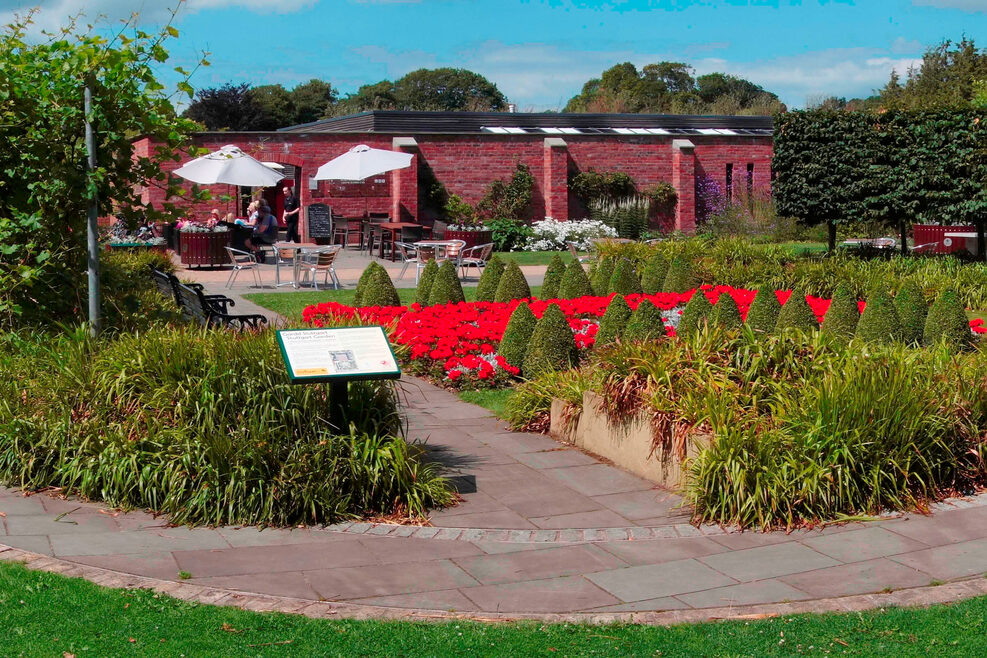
552, 235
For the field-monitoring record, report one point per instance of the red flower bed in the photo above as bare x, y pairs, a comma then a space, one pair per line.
458, 342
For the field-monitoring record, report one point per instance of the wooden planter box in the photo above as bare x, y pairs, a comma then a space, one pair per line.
205, 248
471, 238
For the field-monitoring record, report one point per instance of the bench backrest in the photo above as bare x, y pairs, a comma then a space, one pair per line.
194, 305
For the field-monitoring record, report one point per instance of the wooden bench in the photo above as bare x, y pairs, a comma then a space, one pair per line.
207, 310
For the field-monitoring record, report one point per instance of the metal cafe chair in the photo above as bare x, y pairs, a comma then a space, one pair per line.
322, 260
284, 257
475, 257
411, 254
242, 260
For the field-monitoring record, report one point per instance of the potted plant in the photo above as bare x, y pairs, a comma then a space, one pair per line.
465, 224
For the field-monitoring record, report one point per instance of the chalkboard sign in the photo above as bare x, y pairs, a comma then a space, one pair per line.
319, 221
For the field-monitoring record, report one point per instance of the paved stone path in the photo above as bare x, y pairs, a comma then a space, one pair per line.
543, 529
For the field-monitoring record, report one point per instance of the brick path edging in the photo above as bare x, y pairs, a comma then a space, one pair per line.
919, 596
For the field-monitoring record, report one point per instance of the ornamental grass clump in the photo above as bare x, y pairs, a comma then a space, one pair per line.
645, 324
601, 275
697, 314
614, 321
762, 316
681, 276
512, 284
947, 323
624, 280
796, 314
517, 335
552, 347
912, 311
375, 288
486, 288
204, 426
879, 322
425, 283
653, 277
726, 314
553, 278
446, 288
840, 321
575, 283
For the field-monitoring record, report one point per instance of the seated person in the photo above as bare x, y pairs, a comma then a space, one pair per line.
265, 231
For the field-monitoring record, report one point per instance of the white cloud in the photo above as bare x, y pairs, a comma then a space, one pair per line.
962, 5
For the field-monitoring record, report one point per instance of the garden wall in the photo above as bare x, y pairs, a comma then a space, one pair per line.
628, 445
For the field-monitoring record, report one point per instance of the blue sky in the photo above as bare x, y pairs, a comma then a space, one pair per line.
539, 52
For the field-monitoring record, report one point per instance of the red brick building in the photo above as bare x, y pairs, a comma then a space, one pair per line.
467, 151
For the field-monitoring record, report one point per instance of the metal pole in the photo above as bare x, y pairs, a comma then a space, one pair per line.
92, 231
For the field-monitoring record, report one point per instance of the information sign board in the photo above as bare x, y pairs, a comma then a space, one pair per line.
337, 354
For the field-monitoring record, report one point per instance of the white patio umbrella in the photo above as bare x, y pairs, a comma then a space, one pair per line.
362, 162
231, 166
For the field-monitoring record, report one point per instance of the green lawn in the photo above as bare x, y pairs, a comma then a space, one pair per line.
533, 257
291, 304
44, 614
494, 400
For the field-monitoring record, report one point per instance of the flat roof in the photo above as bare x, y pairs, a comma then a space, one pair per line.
538, 123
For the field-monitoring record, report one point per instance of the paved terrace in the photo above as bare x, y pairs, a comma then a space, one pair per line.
543, 530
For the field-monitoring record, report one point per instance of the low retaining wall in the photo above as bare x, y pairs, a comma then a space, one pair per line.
628, 445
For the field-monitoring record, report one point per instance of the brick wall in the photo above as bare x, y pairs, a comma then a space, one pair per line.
467, 164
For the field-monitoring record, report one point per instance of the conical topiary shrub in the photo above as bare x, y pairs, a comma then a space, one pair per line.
446, 287
726, 314
552, 347
512, 284
796, 314
681, 276
517, 335
553, 278
947, 322
653, 277
645, 323
378, 289
425, 282
762, 316
624, 280
614, 321
912, 312
575, 283
843, 315
486, 288
879, 322
698, 313
600, 279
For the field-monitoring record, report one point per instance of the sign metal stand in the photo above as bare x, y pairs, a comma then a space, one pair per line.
337, 356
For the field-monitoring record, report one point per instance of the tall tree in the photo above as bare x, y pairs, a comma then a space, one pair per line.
275, 107
312, 100
946, 78
229, 107
445, 89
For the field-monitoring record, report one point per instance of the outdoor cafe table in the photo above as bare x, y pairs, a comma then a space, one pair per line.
299, 248
395, 229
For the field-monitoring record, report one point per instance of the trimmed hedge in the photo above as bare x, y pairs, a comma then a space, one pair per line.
614, 321
552, 347
762, 316
553, 278
425, 283
681, 276
486, 288
575, 283
601, 275
843, 316
446, 289
912, 312
517, 335
947, 322
512, 284
879, 323
646, 323
697, 313
796, 314
375, 288
726, 314
655, 271
624, 280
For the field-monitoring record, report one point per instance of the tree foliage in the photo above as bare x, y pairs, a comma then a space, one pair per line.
671, 88
44, 184
267, 107
430, 90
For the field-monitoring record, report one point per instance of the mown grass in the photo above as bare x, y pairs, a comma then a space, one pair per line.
533, 257
45, 614
492, 399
